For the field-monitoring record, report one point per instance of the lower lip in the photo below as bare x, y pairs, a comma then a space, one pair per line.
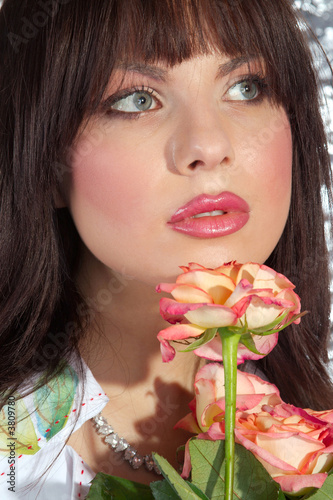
212, 226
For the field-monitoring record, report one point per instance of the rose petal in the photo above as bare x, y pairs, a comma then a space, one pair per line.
212, 350
211, 316
188, 423
218, 286
263, 310
298, 483
205, 395
263, 344
291, 296
211, 414
325, 416
239, 293
187, 462
272, 463
167, 351
165, 287
284, 410
230, 269
268, 278
244, 402
248, 272
173, 311
211, 371
180, 332
322, 462
261, 386
299, 446
192, 267
247, 383
191, 294
216, 431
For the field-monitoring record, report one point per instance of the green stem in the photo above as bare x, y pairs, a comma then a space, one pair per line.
230, 342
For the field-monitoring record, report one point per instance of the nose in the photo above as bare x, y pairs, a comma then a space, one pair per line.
202, 141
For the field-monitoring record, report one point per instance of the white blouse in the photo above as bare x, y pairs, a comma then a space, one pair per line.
35, 463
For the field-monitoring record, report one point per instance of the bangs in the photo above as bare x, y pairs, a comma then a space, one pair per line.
171, 31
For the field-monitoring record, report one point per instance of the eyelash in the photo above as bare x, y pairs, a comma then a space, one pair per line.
263, 87
258, 79
122, 94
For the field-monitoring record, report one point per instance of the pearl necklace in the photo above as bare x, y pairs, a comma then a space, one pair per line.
119, 444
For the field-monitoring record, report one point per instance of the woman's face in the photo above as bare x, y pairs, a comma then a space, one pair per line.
184, 164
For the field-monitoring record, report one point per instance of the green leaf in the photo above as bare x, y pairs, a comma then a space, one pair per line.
325, 492
207, 336
281, 496
251, 482
162, 490
248, 341
105, 487
54, 401
197, 490
174, 479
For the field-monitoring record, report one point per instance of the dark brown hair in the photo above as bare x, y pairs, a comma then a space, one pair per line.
56, 59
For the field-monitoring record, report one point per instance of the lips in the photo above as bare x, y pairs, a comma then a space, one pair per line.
209, 216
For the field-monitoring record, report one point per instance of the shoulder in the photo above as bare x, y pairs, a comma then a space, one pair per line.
34, 430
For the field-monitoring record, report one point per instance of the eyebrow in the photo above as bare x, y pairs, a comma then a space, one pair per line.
148, 70
233, 64
161, 74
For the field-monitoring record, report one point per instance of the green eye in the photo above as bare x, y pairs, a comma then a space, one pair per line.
135, 102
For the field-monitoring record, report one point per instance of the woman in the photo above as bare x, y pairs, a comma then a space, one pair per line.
136, 137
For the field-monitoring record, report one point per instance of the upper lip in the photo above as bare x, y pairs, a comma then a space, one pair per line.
225, 201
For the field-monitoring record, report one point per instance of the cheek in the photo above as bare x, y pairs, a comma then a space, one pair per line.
108, 183
278, 175
271, 164
275, 183
267, 185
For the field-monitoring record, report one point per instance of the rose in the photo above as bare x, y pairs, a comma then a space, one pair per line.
294, 445
209, 402
250, 298
222, 308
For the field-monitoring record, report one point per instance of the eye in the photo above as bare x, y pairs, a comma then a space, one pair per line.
246, 90
135, 102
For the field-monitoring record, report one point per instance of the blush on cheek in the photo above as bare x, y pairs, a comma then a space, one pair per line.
275, 158
280, 154
105, 185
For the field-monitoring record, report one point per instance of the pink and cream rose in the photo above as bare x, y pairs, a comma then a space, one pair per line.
250, 298
209, 401
294, 445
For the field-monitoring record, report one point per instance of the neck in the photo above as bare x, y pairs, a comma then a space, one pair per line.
120, 346
147, 397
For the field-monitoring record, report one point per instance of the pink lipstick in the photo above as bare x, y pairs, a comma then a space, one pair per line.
209, 216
